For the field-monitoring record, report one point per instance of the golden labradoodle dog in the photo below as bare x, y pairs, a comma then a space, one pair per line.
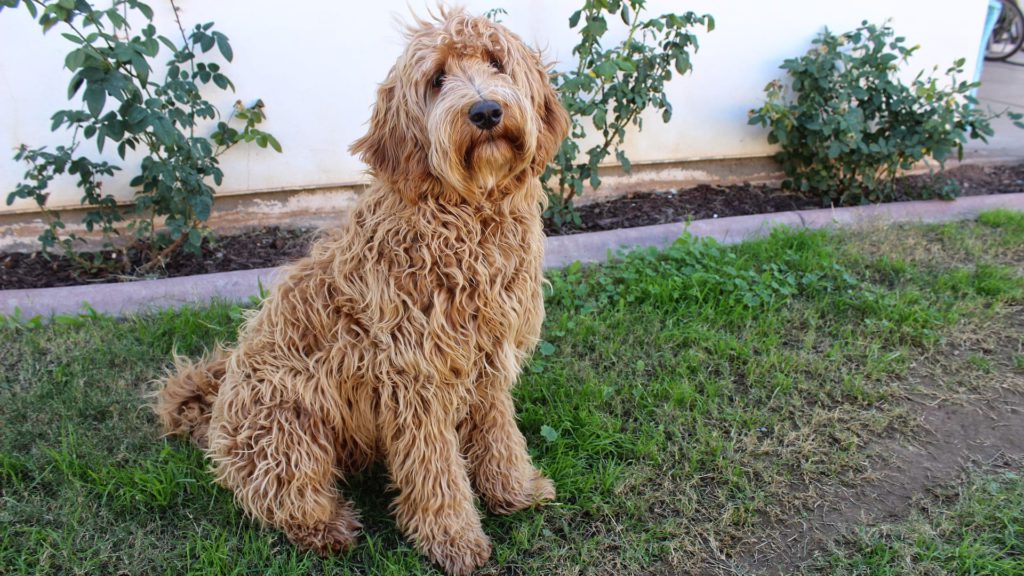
400, 336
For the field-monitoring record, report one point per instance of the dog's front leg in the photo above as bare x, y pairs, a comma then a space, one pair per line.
435, 507
499, 463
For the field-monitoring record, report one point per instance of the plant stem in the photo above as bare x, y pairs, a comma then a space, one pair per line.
159, 257
191, 66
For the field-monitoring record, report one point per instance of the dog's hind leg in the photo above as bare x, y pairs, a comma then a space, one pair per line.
278, 457
435, 506
186, 398
499, 462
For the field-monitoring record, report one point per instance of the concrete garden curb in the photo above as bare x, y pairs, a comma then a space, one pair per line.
130, 297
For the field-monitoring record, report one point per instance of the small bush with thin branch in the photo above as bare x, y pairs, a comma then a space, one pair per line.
123, 106
610, 88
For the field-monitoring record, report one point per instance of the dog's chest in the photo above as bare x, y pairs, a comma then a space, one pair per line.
463, 291
492, 276
483, 289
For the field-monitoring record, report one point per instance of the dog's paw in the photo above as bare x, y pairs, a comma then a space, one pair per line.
537, 490
542, 489
332, 537
462, 554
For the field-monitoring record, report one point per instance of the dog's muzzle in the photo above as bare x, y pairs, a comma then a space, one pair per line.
485, 114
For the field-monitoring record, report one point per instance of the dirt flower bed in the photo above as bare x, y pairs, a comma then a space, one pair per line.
707, 201
272, 246
255, 248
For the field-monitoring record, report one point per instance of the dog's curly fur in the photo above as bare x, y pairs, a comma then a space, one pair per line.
400, 336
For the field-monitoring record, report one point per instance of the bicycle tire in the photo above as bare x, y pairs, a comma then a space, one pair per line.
1010, 17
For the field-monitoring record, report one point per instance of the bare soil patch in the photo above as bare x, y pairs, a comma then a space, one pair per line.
958, 437
272, 246
965, 419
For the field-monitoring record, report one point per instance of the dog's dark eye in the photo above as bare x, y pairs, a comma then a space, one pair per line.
496, 64
438, 80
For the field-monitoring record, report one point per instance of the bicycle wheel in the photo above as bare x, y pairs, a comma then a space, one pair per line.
1008, 33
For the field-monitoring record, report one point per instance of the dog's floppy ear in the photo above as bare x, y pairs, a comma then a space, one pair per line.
391, 147
554, 122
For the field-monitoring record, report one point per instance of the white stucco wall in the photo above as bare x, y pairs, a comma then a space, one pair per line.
316, 65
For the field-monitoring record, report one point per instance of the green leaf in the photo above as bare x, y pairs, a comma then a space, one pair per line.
834, 150
627, 166
682, 63
575, 18
95, 98
206, 42
48, 21
548, 433
606, 69
274, 143
546, 348
202, 205
625, 65
141, 68
166, 42
115, 19
150, 47
224, 46
221, 81
596, 26
74, 60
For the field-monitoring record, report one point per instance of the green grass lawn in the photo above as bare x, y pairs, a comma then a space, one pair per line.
683, 402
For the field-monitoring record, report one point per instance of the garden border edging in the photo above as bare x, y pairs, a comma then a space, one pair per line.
130, 297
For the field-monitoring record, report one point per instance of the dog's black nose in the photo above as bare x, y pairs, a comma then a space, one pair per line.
485, 114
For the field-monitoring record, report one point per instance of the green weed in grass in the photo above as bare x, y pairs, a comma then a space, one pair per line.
1009, 221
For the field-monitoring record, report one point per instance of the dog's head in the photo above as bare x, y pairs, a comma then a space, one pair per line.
467, 112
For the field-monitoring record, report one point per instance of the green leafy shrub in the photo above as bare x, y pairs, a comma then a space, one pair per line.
124, 107
847, 125
610, 87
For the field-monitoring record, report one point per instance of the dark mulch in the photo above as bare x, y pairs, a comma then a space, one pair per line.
702, 201
255, 248
263, 247
708, 201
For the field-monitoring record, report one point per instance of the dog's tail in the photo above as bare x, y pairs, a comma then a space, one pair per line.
185, 400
